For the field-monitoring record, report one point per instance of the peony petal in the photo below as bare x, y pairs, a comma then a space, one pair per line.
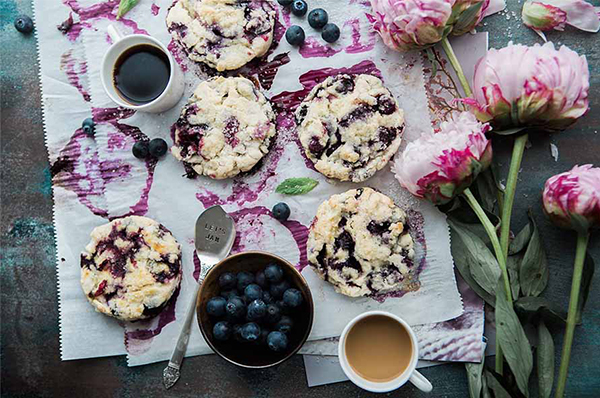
580, 14
494, 7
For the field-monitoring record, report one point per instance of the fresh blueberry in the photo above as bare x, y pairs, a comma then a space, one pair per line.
24, 24
318, 18
273, 314
140, 149
277, 341
216, 307
244, 279
331, 33
251, 332
273, 273
260, 279
253, 292
299, 8
230, 293
284, 309
267, 298
264, 333
158, 147
227, 281
222, 331
292, 298
295, 35
257, 309
278, 289
237, 333
235, 307
285, 3
281, 211
285, 324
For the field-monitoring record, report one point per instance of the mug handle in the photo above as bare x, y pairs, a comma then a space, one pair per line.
419, 381
114, 33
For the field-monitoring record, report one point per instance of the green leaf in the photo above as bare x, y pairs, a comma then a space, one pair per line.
297, 186
461, 256
474, 376
509, 131
487, 191
125, 6
485, 391
495, 386
513, 341
586, 281
533, 274
432, 60
513, 264
536, 307
468, 16
521, 240
483, 266
545, 360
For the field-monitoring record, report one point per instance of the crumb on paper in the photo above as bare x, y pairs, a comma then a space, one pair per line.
554, 151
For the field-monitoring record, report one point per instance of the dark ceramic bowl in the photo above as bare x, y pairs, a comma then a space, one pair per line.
249, 355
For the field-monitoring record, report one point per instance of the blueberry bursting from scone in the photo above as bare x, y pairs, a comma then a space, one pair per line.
359, 242
223, 34
350, 126
130, 268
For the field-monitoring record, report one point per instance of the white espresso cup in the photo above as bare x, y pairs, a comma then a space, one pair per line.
172, 92
409, 374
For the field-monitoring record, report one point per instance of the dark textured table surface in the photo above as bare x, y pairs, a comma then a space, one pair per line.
31, 363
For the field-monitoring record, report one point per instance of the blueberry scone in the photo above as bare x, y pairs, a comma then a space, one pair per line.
359, 242
224, 34
225, 129
350, 126
130, 268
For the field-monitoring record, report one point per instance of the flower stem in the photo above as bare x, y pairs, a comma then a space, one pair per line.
582, 242
491, 232
511, 186
456, 65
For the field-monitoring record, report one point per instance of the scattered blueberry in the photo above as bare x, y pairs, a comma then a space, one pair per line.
88, 126
158, 147
278, 289
292, 298
257, 309
216, 307
318, 18
273, 314
244, 279
331, 33
24, 24
253, 292
227, 281
281, 211
267, 298
299, 8
295, 35
251, 332
235, 307
273, 273
140, 149
285, 324
277, 341
222, 331
285, 3
260, 279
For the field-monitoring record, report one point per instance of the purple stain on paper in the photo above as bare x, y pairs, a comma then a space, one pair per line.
154, 9
197, 266
178, 54
357, 45
74, 69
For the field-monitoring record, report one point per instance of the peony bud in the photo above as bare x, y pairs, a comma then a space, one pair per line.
572, 199
542, 15
440, 166
549, 90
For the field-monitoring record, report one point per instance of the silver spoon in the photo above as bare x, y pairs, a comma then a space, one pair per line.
215, 233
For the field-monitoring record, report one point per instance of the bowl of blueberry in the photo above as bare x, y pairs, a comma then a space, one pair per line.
255, 309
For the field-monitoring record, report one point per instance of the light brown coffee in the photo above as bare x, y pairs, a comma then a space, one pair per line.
378, 348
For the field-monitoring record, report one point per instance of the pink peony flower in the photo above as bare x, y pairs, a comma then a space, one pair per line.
572, 199
440, 166
548, 89
417, 24
542, 15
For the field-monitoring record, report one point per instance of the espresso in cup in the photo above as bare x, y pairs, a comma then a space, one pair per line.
378, 348
141, 74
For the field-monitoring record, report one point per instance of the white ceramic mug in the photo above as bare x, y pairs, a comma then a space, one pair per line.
169, 97
410, 374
